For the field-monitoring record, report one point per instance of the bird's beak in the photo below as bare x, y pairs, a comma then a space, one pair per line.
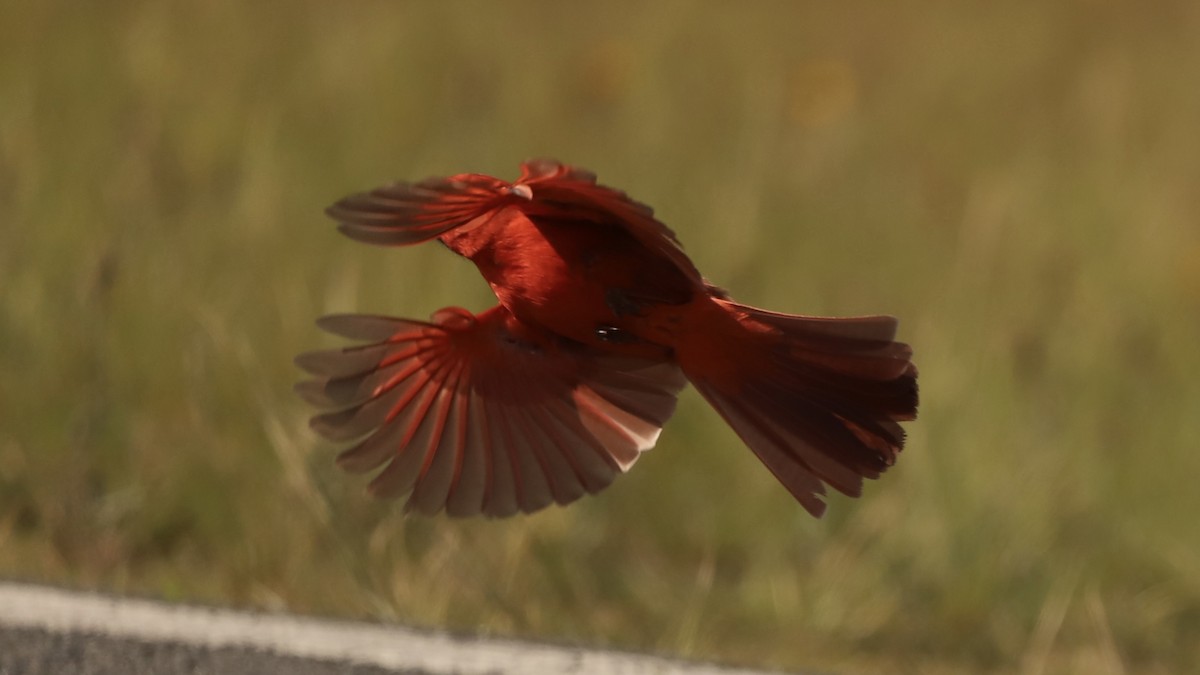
523, 191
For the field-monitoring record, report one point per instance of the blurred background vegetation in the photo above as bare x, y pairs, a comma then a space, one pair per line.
1018, 181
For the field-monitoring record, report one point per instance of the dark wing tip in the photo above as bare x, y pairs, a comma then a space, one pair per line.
369, 327
400, 214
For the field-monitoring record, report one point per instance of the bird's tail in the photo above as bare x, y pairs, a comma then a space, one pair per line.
816, 399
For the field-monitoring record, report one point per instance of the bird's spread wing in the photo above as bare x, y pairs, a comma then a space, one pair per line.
478, 415
409, 213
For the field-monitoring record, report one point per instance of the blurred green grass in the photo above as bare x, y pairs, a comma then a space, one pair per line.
1016, 181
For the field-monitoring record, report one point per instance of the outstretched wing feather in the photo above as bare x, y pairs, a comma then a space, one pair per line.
464, 416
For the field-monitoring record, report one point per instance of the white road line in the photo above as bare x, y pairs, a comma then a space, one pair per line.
385, 646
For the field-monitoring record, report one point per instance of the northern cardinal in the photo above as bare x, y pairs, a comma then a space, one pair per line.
602, 320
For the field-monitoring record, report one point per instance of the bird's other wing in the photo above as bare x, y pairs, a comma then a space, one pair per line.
409, 213
559, 190
482, 415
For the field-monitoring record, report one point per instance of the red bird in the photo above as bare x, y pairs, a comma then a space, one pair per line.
602, 320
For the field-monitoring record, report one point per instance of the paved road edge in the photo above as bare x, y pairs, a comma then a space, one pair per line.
385, 646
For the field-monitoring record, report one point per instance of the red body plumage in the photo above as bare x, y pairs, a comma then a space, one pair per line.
601, 321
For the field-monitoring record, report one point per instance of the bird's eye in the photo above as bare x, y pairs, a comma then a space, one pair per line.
614, 335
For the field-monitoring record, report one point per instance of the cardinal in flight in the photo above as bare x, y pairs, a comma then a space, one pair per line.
601, 321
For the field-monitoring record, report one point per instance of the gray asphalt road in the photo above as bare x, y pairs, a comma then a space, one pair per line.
48, 630
36, 651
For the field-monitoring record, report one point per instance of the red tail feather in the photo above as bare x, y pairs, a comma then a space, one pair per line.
817, 399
